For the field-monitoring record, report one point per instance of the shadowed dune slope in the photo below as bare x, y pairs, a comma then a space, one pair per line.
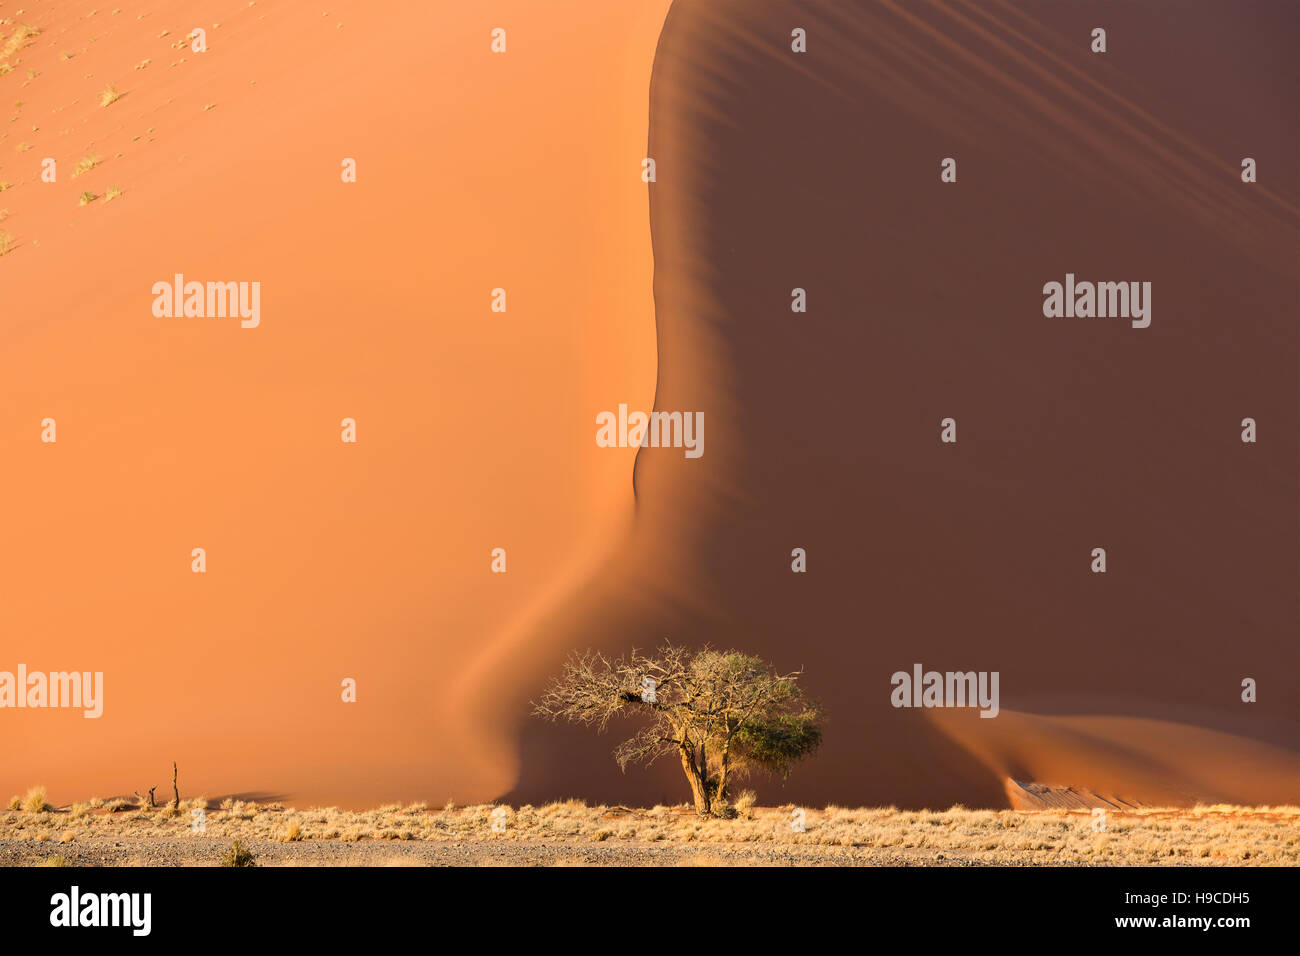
821, 171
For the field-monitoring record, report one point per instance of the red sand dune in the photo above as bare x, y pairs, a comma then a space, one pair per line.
520, 171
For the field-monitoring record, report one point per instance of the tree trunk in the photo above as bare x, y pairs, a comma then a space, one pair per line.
698, 789
724, 760
704, 776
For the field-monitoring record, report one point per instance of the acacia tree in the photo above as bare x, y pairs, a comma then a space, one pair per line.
723, 713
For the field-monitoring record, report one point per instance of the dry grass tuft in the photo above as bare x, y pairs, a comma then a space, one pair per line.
292, 833
238, 855
85, 165
21, 34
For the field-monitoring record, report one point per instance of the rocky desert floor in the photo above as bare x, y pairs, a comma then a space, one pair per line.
121, 832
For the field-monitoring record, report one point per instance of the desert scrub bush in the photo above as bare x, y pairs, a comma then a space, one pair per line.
57, 860
87, 197
109, 95
238, 855
6, 241
113, 193
34, 801
15, 802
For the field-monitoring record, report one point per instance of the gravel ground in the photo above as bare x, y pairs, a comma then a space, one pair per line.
201, 851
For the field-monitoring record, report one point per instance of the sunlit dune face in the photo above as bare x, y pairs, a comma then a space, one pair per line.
325, 560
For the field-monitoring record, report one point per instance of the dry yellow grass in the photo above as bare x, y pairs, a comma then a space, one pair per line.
292, 832
1207, 835
14, 42
85, 165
